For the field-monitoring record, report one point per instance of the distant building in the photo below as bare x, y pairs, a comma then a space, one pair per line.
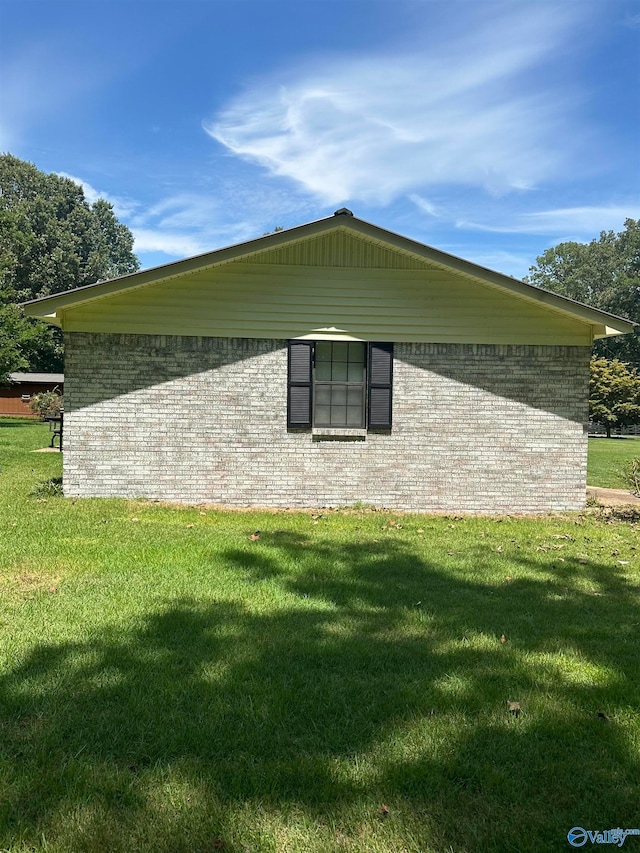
15, 398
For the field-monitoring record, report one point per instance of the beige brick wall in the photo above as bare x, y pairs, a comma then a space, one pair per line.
476, 428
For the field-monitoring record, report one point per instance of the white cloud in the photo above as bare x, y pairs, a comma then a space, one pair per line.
173, 244
463, 109
187, 224
570, 221
424, 204
121, 207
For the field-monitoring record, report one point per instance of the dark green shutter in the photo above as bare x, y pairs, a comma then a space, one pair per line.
380, 373
299, 384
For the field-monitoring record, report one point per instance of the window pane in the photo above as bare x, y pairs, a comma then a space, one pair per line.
338, 415
356, 352
340, 352
354, 396
323, 351
354, 416
339, 371
356, 372
323, 395
339, 396
322, 415
323, 370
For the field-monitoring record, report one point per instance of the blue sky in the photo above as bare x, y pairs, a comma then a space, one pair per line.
491, 130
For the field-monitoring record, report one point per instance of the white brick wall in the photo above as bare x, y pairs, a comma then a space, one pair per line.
476, 428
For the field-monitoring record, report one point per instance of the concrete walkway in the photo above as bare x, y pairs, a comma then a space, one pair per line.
612, 497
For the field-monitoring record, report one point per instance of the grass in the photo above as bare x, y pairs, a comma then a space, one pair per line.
606, 460
338, 684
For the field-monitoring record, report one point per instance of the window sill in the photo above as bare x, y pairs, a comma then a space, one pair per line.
338, 434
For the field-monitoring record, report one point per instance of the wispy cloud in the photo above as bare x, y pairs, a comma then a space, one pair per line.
575, 222
464, 109
191, 223
168, 243
122, 207
424, 204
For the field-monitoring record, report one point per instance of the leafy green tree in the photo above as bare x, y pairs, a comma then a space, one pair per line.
605, 274
614, 394
26, 344
51, 240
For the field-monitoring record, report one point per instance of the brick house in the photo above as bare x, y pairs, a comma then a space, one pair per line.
327, 364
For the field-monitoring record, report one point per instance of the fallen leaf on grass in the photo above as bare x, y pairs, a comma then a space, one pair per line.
255, 536
419, 530
189, 526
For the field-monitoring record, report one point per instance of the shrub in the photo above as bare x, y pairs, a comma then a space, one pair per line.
46, 403
631, 474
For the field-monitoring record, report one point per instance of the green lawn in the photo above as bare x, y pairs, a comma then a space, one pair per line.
338, 684
606, 459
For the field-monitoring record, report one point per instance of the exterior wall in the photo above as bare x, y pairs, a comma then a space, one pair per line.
204, 420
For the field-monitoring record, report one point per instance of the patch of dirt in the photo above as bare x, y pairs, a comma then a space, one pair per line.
27, 582
612, 497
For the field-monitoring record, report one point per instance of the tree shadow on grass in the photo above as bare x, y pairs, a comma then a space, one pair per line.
382, 681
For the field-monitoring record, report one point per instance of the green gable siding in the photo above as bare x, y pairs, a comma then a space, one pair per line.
284, 300
339, 249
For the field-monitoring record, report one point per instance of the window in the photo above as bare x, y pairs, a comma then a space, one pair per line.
340, 384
